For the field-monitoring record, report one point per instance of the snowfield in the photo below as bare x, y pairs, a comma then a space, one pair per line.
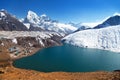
104, 38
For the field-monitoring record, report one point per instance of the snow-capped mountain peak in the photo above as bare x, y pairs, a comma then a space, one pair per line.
32, 17
44, 17
116, 13
111, 21
32, 14
2, 15
43, 22
10, 23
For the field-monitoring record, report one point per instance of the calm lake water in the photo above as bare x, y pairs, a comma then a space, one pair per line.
70, 59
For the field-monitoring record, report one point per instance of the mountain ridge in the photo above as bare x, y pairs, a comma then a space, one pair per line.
10, 23
45, 23
111, 21
33, 22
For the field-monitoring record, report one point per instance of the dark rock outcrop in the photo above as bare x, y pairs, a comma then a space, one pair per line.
112, 21
10, 23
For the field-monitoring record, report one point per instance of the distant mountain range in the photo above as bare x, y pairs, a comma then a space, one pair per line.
33, 22
49, 32
43, 22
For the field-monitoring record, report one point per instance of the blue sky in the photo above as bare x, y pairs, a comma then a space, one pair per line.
64, 10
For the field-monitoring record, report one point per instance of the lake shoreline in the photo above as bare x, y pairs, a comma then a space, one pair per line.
65, 57
11, 73
35, 51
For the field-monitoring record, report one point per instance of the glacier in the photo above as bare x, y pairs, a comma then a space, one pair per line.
104, 38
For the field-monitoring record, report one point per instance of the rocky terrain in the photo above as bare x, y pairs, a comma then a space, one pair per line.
10, 23
20, 43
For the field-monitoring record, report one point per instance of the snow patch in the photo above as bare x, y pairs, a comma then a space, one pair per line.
2, 44
14, 40
21, 20
40, 41
33, 17
2, 16
27, 25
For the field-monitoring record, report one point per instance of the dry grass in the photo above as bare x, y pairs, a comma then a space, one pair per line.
11, 73
4, 54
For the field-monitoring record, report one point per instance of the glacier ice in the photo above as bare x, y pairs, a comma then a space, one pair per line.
104, 38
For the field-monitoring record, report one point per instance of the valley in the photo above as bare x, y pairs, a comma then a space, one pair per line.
22, 38
20, 44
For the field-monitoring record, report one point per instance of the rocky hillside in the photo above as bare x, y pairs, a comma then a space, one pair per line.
10, 23
19, 40
20, 43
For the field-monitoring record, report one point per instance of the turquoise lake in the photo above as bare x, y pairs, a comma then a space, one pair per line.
70, 59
